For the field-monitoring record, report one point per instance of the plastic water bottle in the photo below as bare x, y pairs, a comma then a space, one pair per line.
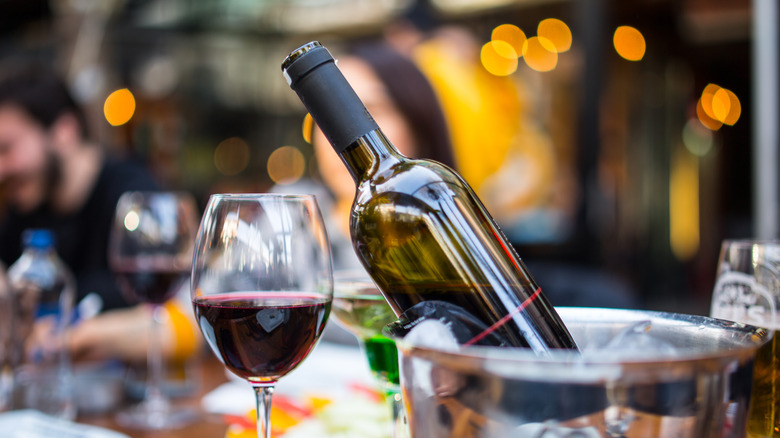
43, 292
6, 327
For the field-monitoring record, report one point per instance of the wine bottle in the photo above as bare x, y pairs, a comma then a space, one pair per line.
419, 229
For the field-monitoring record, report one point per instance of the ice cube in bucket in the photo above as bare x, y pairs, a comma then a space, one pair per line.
696, 385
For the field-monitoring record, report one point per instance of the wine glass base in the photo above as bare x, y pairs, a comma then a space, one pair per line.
146, 417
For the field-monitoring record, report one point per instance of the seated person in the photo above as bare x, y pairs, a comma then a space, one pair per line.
53, 176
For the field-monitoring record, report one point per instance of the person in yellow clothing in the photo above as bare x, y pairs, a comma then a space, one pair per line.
500, 149
483, 111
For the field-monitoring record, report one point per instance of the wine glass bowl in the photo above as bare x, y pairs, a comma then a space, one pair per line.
746, 290
150, 252
262, 286
361, 309
151, 244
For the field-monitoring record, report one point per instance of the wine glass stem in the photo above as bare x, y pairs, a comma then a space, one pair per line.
155, 397
263, 396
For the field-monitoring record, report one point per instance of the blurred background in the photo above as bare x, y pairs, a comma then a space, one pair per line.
605, 136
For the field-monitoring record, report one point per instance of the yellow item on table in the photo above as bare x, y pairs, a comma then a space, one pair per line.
185, 333
362, 414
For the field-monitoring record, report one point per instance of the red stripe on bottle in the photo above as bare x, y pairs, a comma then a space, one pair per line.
506, 318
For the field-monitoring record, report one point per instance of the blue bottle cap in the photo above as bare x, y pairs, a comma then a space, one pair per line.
38, 238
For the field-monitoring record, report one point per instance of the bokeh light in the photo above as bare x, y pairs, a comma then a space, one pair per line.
158, 76
684, 201
511, 34
286, 165
132, 220
629, 43
231, 156
721, 104
718, 106
697, 138
705, 119
499, 58
557, 32
726, 106
308, 128
706, 100
119, 107
540, 54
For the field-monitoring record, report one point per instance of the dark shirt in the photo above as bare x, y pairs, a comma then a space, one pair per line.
82, 236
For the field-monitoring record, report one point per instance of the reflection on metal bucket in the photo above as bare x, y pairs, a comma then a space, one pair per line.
700, 389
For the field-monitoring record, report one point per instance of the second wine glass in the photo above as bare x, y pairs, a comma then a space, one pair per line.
360, 307
150, 252
747, 288
262, 286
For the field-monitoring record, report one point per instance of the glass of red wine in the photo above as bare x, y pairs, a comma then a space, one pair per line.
262, 286
150, 252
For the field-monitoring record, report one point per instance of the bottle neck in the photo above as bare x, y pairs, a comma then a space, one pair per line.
368, 154
338, 111
312, 73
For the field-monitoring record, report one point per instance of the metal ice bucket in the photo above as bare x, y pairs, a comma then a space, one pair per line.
702, 389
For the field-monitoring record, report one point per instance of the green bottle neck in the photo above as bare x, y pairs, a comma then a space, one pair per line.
370, 153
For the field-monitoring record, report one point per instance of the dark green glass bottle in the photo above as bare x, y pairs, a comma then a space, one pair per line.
417, 226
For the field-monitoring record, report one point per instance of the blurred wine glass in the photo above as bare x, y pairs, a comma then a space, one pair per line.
262, 285
150, 252
746, 290
360, 307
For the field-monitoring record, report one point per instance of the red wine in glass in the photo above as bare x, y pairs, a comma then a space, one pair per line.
261, 336
150, 286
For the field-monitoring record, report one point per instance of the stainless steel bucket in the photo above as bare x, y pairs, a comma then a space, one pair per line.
700, 390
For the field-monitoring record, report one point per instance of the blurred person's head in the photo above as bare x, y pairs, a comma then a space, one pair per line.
39, 125
402, 102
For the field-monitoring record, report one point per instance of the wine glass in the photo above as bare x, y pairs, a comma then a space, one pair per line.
150, 252
747, 282
360, 307
262, 285
747, 288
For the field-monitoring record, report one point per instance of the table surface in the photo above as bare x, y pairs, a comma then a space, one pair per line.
330, 370
207, 373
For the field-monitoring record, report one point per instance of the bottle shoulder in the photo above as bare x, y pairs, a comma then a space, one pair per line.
407, 177
421, 198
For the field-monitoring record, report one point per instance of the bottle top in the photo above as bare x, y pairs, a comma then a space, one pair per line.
38, 238
296, 65
327, 95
